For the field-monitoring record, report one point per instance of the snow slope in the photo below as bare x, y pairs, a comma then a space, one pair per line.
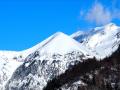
57, 43
54, 55
102, 41
7, 66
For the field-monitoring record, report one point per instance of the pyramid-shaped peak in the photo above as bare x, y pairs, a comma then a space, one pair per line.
59, 43
59, 34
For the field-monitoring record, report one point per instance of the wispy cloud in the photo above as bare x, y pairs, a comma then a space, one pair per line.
100, 14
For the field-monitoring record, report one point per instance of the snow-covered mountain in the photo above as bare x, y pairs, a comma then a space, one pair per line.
103, 41
34, 67
54, 55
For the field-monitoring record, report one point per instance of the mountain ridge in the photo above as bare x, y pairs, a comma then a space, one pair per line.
57, 53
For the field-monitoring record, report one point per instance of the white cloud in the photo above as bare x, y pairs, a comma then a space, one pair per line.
100, 15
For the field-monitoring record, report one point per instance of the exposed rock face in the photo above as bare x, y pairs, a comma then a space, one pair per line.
35, 73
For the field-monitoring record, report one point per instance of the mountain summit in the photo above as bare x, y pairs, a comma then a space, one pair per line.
101, 40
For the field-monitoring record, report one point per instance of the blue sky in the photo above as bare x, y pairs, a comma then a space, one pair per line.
25, 23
